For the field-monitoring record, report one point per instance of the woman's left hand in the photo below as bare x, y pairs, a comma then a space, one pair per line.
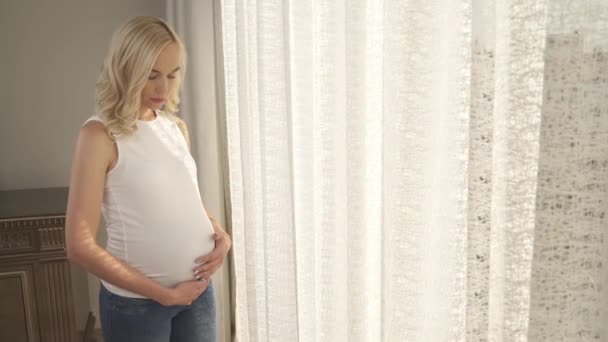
211, 262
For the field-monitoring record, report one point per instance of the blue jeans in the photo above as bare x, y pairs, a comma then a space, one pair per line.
126, 319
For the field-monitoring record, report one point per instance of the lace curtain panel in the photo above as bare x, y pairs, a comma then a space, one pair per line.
405, 170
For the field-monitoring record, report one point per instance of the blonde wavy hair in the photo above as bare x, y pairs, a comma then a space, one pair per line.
127, 66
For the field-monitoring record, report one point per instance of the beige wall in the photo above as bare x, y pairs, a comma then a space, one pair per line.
50, 55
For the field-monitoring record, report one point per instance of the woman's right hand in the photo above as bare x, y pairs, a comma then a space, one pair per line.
186, 292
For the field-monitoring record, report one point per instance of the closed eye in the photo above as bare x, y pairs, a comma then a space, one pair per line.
171, 74
154, 77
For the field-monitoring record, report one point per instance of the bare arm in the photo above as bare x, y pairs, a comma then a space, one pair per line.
94, 153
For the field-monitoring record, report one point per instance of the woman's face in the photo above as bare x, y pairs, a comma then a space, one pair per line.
162, 78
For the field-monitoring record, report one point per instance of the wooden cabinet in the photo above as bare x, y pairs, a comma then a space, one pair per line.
35, 282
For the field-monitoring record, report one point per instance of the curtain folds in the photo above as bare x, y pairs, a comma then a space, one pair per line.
394, 169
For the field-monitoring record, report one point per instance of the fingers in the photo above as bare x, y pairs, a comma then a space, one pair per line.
207, 274
213, 255
218, 251
202, 286
207, 266
202, 276
202, 266
198, 289
207, 269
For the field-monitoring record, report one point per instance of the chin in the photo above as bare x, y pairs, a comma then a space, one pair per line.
155, 106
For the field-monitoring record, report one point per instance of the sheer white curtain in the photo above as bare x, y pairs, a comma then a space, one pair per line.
378, 192
383, 162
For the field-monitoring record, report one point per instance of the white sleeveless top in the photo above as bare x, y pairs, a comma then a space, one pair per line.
152, 206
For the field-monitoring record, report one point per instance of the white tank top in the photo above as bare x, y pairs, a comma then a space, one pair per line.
152, 206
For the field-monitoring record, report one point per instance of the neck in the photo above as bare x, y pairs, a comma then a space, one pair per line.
146, 114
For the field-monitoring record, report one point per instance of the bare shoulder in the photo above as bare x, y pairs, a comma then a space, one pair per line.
94, 128
94, 143
93, 133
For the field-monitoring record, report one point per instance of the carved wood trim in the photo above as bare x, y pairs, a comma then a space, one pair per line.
54, 290
16, 241
34, 221
32, 234
51, 238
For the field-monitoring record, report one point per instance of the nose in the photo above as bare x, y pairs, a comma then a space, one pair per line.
162, 87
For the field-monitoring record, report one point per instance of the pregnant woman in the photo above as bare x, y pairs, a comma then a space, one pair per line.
133, 165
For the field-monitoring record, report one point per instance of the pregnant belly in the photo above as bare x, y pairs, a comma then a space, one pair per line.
168, 257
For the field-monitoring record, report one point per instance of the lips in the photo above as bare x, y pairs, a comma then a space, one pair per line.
158, 100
